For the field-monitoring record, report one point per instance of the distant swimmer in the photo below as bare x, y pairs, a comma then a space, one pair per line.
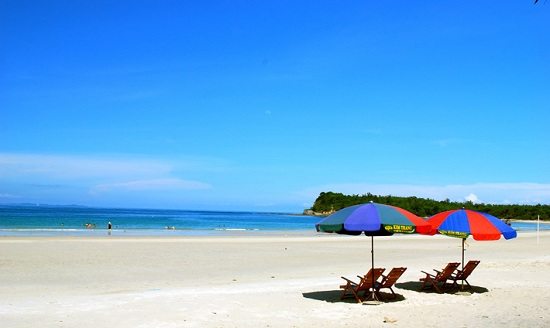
89, 226
109, 225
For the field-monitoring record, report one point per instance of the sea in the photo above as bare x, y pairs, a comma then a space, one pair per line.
44, 220
47, 220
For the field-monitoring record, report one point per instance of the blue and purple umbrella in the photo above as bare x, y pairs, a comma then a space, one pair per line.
373, 219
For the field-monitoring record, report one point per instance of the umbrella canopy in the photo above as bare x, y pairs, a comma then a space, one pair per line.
463, 223
373, 219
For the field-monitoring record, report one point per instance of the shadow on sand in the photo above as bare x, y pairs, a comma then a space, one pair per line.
333, 296
416, 286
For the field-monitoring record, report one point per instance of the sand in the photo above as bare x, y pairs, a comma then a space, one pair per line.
273, 280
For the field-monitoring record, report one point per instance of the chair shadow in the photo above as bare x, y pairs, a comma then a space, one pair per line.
417, 285
333, 296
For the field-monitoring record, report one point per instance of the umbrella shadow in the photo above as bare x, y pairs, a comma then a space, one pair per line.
416, 286
333, 296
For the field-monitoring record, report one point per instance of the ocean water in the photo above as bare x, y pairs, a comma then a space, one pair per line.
530, 226
58, 220
72, 221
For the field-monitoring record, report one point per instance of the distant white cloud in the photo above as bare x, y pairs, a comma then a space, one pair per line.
495, 193
151, 185
472, 198
8, 196
63, 167
94, 174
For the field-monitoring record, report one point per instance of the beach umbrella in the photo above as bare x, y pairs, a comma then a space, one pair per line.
373, 219
464, 223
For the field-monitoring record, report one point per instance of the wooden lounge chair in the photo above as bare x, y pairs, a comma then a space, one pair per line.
462, 275
389, 281
440, 278
364, 285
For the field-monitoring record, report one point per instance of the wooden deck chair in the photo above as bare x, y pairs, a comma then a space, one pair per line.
462, 275
389, 281
364, 285
440, 278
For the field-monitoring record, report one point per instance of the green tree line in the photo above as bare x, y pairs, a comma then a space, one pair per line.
328, 202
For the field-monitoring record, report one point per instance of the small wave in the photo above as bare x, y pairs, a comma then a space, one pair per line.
229, 229
235, 229
41, 229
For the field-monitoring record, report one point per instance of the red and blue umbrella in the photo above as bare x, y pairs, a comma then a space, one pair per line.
464, 223
373, 219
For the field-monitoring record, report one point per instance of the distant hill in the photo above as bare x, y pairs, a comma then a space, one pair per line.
328, 202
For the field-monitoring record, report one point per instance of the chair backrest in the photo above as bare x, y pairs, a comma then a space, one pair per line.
368, 280
468, 268
392, 277
447, 271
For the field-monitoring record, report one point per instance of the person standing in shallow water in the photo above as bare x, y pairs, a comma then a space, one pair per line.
109, 225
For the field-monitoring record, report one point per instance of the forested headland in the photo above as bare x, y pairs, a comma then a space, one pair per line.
328, 202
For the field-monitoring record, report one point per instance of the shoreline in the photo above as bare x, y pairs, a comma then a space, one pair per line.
532, 221
255, 238
161, 233
168, 233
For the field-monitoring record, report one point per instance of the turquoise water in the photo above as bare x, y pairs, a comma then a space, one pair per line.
530, 226
56, 220
71, 221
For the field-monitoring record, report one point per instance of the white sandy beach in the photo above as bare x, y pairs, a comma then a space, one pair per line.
263, 281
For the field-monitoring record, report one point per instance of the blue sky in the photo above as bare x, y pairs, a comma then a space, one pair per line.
261, 105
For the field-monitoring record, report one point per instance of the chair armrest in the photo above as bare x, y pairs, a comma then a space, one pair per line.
349, 281
428, 274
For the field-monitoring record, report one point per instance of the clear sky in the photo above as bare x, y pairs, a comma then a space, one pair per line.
261, 105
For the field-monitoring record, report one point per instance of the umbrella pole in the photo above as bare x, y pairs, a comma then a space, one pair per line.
463, 239
462, 281
373, 294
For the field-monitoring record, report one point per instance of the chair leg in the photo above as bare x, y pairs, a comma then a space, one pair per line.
393, 293
434, 283
379, 295
461, 287
424, 281
344, 292
357, 298
455, 284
